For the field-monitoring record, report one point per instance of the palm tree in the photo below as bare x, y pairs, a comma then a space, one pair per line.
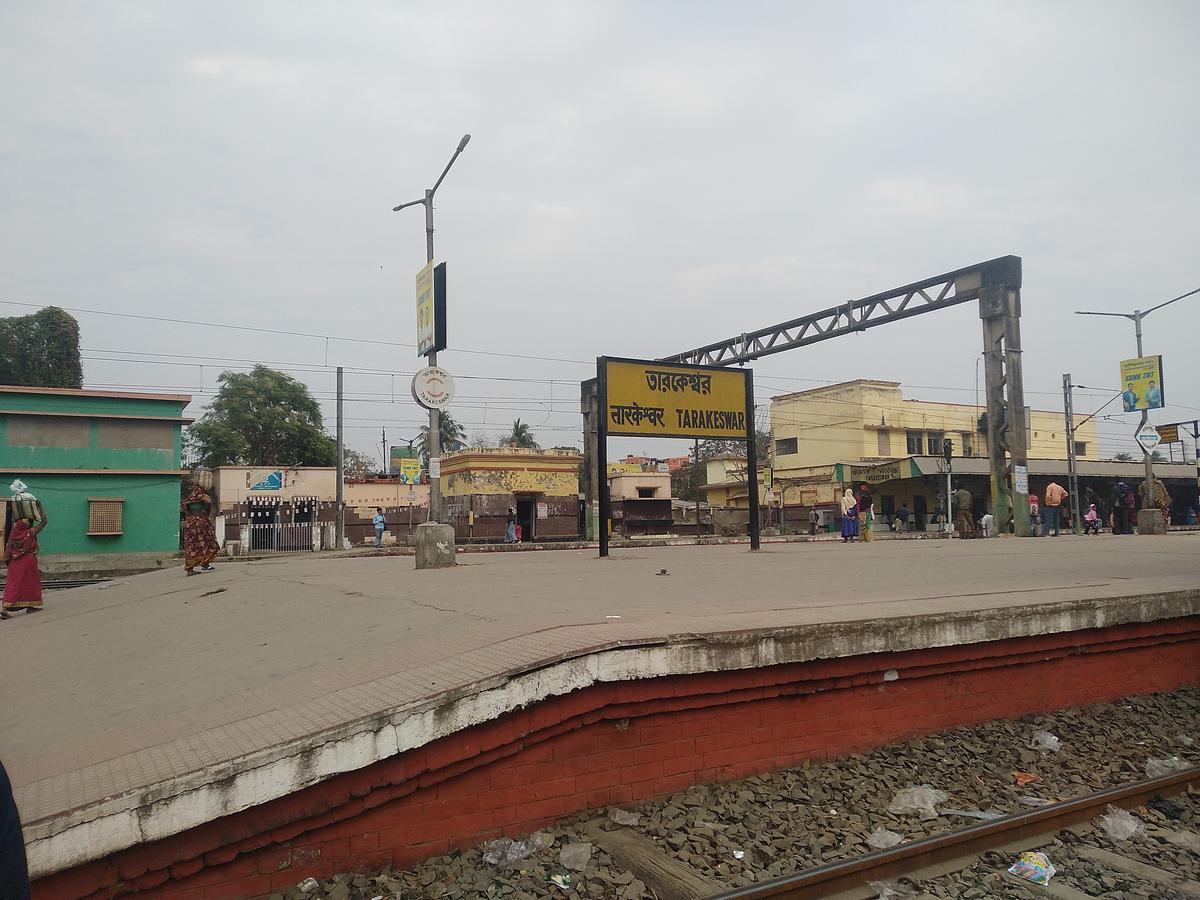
522, 437
1122, 457
452, 436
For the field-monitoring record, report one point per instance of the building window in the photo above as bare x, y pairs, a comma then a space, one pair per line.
785, 446
104, 515
965, 443
1081, 448
913, 440
883, 442
935, 439
647, 493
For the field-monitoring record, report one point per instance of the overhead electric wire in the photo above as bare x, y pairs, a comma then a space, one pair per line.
285, 332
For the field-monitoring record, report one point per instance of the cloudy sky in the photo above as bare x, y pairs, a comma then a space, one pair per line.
642, 178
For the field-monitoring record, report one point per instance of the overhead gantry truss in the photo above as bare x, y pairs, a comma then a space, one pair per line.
939, 292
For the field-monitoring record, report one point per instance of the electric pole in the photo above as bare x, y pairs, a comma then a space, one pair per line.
340, 527
1072, 468
433, 442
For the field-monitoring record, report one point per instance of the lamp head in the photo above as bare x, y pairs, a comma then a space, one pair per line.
463, 143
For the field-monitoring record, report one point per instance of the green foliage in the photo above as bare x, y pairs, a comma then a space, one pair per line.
521, 437
1123, 457
262, 418
452, 437
41, 350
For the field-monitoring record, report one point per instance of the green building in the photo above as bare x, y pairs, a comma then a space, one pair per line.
106, 467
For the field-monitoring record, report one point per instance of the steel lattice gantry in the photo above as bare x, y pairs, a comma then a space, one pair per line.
995, 284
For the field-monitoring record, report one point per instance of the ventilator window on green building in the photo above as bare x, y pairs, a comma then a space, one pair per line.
104, 515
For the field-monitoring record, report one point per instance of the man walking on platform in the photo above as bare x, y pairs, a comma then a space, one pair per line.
963, 519
1055, 495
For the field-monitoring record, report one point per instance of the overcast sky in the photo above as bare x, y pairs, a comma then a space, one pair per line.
642, 178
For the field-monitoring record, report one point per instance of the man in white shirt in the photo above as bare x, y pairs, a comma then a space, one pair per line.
987, 525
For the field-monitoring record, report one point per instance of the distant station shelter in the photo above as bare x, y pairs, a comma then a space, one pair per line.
540, 487
106, 466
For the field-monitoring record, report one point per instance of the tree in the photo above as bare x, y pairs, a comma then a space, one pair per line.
358, 465
762, 445
1122, 457
521, 436
41, 350
480, 441
262, 418
453, 437
1156, 456
685, 481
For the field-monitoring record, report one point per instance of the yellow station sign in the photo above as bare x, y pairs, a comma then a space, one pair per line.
667, 400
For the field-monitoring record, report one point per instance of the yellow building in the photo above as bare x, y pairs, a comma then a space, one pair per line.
860, 431
864, 420
540, 486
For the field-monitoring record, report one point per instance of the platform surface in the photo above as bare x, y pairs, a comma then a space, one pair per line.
113, 689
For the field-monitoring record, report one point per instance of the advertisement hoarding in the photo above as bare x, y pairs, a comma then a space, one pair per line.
431, 309
1142, 384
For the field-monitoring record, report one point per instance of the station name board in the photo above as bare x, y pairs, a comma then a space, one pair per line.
643, 397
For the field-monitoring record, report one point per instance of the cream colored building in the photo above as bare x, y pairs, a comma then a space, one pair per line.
864, 431
870, 421
639, 485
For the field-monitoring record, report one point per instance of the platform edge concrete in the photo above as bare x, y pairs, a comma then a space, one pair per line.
177, 804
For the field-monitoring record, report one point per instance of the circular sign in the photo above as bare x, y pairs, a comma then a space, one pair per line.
433, 387
411, 496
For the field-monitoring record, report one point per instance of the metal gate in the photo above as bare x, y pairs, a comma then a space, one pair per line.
280, 537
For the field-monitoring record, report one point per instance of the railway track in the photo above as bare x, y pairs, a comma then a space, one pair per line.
991, 846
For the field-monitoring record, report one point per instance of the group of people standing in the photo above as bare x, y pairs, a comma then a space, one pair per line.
858, 515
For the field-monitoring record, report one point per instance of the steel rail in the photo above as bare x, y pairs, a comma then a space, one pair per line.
851, 874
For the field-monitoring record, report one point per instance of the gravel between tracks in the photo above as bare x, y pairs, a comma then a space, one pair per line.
770, 825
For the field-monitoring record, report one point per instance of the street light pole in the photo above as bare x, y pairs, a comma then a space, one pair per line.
1136, 317
434, 441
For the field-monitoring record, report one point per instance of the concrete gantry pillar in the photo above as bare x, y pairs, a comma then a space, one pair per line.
589, 406
434, 544
999, 287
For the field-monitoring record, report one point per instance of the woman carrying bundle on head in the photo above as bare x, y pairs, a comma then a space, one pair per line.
200, 545
23, 583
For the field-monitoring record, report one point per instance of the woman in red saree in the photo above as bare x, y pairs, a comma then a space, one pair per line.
23, 585
200, 545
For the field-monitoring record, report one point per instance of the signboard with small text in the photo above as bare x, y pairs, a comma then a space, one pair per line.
1168, 434
1147, 436
1142, 383
1020, 480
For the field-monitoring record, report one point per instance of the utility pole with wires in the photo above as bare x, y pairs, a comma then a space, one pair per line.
434, 440
1072, 468
340, 527
1136, 317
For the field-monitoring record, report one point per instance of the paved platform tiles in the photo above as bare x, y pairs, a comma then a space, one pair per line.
127, 697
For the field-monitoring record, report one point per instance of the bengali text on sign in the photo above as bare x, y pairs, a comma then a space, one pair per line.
666, 400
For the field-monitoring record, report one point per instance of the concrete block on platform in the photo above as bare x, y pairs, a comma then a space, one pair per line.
435, 545
1151, 521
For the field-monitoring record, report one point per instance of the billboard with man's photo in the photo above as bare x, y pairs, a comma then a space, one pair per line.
1142, 384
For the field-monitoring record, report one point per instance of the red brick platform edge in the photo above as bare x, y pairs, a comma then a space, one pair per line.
622, 742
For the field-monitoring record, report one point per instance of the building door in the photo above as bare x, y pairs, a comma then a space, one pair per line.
527, 516
919, 511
